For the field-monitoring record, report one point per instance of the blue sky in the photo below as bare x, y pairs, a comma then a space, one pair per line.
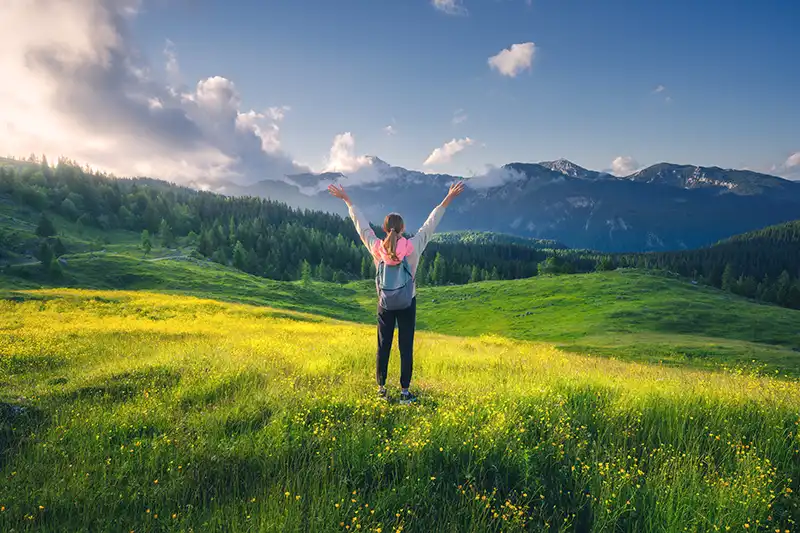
639, 82
728, 69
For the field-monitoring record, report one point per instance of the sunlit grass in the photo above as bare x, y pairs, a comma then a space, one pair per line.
147, 412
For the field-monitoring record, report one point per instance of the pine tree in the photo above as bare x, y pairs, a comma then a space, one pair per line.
421, 276
219, 256
239, 256
365, 268
146, 244
58, 248
475, 276
439, 273
305, 273
782, 288
495, 274
728, 278
165, 234
339, 277
54, 271
45, 228
231, 232
45, 255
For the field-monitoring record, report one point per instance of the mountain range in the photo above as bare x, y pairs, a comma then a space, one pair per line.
662, 207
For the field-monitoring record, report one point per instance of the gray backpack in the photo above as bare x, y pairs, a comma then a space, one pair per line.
395, 286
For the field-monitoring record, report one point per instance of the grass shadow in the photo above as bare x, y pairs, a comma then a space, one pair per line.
18, 422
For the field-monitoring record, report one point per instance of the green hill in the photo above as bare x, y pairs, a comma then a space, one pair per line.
627, 314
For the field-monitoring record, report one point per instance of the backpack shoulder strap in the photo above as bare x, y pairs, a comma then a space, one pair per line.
407, 268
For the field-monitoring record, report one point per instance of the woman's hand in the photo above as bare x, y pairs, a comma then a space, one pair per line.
339, 193
455, 190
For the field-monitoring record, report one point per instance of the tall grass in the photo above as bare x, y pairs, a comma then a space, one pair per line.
146, 412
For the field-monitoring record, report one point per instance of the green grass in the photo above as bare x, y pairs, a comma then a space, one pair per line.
632, 315
124, 271
182, 395
126, 411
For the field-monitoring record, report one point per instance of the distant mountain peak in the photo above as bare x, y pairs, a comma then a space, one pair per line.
377, 161
568, 168
740, 182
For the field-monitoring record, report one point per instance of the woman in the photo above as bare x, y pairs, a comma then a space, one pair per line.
394, 257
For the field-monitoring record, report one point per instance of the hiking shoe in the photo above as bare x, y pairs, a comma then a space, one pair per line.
383, 394
407, 398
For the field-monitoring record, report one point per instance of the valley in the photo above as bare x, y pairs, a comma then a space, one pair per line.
155, 377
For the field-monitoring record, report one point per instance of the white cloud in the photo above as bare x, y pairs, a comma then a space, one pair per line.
172, 68
511, 61
793, 161
217, 94
624, 165
343, 156
263, 126
446, 152
660, 89
451, 7
81, 90
459, 116
389, 130
278, 113
494, 177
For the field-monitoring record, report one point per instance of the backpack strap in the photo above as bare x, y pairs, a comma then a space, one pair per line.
407, 268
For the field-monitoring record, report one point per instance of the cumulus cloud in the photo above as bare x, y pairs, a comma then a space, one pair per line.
265, 126
343, 156
451, 7
659, 89
789, 169
389, 130
445, 153
459, 116
624, 165
511, 61
83, 91
494, 177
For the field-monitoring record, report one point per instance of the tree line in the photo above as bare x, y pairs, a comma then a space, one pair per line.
762, 264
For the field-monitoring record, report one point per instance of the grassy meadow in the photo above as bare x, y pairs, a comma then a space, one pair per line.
631, 315
161, 411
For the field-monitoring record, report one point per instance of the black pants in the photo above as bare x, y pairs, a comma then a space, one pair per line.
406, 323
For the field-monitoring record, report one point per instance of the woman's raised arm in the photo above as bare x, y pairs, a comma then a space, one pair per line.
361, 223
423, 236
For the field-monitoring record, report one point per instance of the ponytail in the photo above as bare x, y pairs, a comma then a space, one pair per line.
390, 244
393, 225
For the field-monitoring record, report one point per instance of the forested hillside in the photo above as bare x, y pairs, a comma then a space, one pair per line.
763, 264
258, 236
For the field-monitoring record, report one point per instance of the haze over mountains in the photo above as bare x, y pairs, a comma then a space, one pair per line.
662, 207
